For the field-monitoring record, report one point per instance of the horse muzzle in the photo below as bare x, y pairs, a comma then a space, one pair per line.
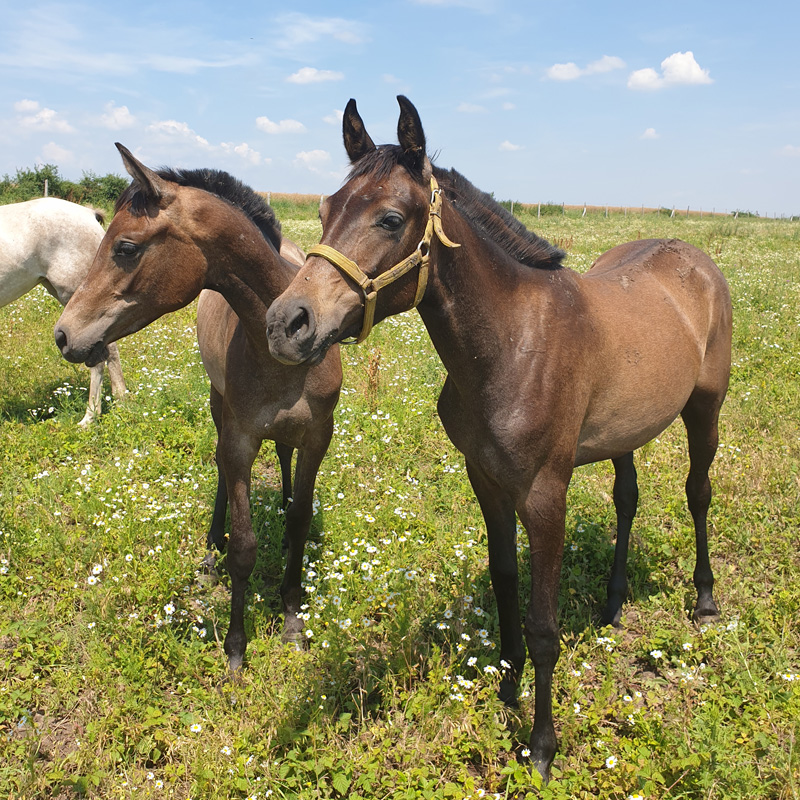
89, 353
291, 329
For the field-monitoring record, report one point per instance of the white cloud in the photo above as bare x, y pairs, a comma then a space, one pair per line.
315, 160
508, 147
790, 150
650, 133
564, 72
36, 118
54, 154
470, 108
319, 163
334, 118
313, 75
284, 126
604, 64
679, 69
26, 106
298, 30
645, 79
117, 118
172, 129
184, 65
244, 151
571, 71
508, 106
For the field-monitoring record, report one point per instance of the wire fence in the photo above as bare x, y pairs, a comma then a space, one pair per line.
547, 209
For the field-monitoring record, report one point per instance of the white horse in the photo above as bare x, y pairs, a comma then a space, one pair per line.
53, 242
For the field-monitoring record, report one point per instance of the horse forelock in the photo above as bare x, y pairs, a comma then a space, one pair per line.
218, 183
380, 162
479, 208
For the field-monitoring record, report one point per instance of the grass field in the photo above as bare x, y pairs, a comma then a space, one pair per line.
112, 675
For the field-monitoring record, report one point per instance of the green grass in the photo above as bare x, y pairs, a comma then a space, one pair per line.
112, 675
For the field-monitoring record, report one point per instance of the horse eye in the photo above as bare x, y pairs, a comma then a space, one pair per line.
391, 221
127, 249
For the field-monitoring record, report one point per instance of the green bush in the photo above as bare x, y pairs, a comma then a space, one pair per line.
94, 190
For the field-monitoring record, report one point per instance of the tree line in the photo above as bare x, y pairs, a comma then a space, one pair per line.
95, 190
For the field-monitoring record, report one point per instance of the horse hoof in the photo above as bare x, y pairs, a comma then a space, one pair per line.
612, 618
543, 769
235, 664
207, 571
705, 617
706, 613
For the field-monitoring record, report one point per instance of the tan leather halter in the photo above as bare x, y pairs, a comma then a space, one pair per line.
419, 258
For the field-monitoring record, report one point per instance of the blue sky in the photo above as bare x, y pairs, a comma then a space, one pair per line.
662, 104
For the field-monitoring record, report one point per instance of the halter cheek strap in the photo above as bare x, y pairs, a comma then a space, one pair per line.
419, 258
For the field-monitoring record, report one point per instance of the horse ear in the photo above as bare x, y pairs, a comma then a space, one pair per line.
357, 141
153, 186
410, 135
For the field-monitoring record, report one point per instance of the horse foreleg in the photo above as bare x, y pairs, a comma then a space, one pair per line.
543, 514
701, 418
285, 460
298, 522
236, 452
501, 530
626, 499
118, 388
95, 404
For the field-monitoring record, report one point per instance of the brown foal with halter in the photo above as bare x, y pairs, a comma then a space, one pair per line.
546, 369
173, 235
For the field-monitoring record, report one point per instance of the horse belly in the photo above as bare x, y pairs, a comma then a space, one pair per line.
636, 408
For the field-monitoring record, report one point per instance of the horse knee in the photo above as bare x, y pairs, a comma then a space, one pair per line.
543, 643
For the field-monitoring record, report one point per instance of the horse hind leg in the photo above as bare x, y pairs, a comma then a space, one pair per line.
701, 418
626, 499
298, 523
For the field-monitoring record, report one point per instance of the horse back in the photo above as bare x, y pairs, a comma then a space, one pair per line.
49, 241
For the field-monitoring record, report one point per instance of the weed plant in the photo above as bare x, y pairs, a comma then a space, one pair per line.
113, 678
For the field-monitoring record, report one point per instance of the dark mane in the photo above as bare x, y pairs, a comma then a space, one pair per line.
478, 207
218, 183
499, 225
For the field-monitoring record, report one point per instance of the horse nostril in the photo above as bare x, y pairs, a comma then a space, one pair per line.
300, 322
61, 339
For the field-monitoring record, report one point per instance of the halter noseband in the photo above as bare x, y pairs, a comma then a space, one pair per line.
419, 258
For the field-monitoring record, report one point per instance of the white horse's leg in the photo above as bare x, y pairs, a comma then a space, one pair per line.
118, 388
95, 401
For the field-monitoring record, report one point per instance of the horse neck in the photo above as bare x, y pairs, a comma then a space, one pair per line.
246, 270
477, 293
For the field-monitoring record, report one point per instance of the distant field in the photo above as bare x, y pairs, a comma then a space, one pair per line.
112, 675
